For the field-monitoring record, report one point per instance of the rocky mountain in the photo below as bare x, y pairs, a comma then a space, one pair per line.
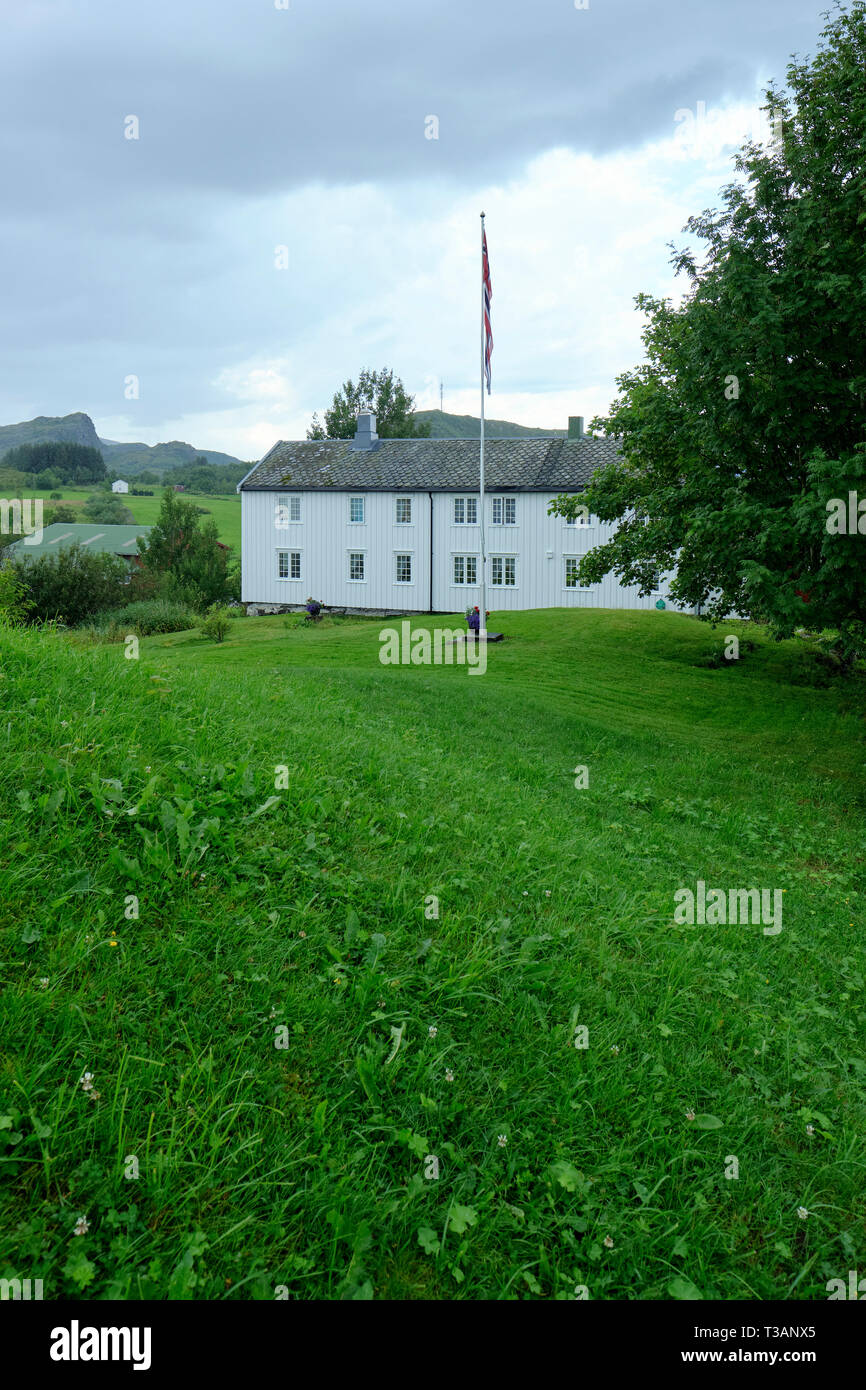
122, 459
68, 429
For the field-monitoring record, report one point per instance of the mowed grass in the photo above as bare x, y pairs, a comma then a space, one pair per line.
334, 1055
226, 511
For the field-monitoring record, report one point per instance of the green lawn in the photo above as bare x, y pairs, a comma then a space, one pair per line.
226, 511
287, 1045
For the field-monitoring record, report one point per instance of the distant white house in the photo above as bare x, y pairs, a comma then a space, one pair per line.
120, 486
371, 525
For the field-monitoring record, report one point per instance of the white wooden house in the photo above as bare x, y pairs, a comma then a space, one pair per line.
119, 486
389, 526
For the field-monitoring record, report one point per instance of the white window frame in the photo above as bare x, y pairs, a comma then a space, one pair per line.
577, 588
502, 499
289, 578
463, 583
286, 501
363, 555
503, 585
465, 501
410, 555
353, 521
578, 523
397, 521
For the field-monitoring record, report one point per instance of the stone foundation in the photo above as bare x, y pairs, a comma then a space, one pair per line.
260, 610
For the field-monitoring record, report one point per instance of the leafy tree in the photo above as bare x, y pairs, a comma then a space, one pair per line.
376, 391
65, 514
107, 511
212, 478
72, 583
147, 476
182, 557
749, 416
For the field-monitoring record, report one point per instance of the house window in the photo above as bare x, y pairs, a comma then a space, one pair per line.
403, 569
465, 511
503, 570
504, 511
572, 578
582, 519
288, 564
356, 509
356, 566
288, 510
465, 569
404, 511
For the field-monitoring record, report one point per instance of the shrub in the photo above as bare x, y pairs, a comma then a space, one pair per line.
107, 511
72, 584
216, 622
14, 602
147, 618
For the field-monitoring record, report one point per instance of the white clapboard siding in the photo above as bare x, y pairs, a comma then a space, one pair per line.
325, 536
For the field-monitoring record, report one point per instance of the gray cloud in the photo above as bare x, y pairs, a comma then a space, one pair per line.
118, 255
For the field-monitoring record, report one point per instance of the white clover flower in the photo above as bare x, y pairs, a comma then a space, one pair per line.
615, 1050
547, 892
690, 1114
86, 1081
608, 1241
432, 1030
802, 1213
810, 1130
44, 982
501, 1140
449, 1075
82, 1226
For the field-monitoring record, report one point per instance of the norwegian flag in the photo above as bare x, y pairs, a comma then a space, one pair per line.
488, 295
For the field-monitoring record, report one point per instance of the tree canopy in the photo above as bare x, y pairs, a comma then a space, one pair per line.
746, 426
182, 558
61, 461
379, 392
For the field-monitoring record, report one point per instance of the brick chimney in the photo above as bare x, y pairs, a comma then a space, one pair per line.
365, 432
575, 427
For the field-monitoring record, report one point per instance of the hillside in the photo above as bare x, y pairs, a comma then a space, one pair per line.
417, 1021
128, 459
445, 426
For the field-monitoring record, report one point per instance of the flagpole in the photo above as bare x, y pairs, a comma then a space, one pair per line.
482, 625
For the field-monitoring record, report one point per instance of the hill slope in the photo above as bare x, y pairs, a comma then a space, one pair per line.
445, 426
389, 955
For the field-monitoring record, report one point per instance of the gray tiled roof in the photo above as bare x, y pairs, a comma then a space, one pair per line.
431, 465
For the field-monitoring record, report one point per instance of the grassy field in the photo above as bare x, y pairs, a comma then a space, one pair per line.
226, 511
337, 1051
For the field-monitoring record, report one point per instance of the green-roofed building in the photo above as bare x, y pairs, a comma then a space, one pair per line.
108, 540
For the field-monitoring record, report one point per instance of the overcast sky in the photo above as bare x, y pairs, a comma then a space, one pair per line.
283, 217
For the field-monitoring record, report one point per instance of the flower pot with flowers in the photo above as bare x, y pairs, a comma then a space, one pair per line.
473, 618
314, 610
